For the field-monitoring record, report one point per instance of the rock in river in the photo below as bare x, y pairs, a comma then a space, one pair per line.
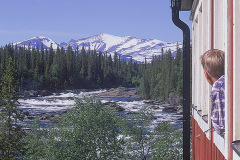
120, 92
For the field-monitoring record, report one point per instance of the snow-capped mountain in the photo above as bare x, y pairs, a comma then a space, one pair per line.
37, 41
127, 46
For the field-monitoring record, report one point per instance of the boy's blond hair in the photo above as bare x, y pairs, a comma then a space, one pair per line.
213, 62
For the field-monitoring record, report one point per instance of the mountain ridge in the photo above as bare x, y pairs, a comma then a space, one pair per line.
126, 46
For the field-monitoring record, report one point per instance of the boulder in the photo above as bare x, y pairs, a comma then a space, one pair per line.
148, 101
119, 108
181, 118
30, 93
165, 105
130, 112
64, 111
44, 93
152, 101
170, 109
46, 117
154, 107
110, 103
114, 105
179, 109
29, 117
173, 99
55, 119
26, 113
135, 107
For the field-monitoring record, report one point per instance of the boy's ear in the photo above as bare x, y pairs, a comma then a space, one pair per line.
206, 74
208, 77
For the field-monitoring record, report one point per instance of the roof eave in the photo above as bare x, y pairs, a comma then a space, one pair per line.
194, 7
186, 5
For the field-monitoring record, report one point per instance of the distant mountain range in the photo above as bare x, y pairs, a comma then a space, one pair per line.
127, 46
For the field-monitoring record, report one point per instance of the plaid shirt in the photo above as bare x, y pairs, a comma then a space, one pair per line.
218, 105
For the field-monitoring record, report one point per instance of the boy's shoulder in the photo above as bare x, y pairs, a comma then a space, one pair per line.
218, 87
220, 83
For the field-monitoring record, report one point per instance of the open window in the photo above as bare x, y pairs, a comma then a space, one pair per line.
201, 43
236, 78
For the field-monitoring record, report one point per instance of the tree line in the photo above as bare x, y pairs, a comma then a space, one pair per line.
63, 68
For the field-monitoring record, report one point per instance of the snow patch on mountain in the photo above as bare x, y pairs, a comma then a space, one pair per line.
38, 41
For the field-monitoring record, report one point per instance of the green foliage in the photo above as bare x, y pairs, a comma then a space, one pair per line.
36, 141
90, 131
10, 132
139, 138
145, 85
144, 142
162, 76
168, 144
136, 80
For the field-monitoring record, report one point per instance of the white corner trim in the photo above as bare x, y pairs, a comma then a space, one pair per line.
202, 124
235, 156
219, 142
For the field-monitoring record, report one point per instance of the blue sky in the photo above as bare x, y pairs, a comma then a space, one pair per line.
63, 20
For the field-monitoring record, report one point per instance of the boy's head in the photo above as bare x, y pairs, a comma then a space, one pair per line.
213, 63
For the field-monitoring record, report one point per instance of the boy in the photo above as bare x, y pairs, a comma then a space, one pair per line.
213, 66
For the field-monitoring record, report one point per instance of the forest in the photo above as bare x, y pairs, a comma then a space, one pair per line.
91, 130
39, 68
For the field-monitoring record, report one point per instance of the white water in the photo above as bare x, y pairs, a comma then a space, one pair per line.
62, 101
52, 103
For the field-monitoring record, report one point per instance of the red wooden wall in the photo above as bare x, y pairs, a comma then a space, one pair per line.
202, 147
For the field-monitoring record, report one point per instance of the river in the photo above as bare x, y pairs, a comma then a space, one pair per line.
59, 103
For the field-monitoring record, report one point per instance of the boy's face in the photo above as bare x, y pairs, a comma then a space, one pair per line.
209, 78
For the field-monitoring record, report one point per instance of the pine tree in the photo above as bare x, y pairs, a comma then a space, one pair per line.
55, 73
10, 132
84, 62
145, 86
115, 61
70, 62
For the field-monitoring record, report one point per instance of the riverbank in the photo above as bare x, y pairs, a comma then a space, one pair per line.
120, 92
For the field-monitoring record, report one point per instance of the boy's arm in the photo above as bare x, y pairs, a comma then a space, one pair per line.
218, 110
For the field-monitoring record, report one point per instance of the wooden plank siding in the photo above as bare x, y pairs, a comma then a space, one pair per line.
203, 148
